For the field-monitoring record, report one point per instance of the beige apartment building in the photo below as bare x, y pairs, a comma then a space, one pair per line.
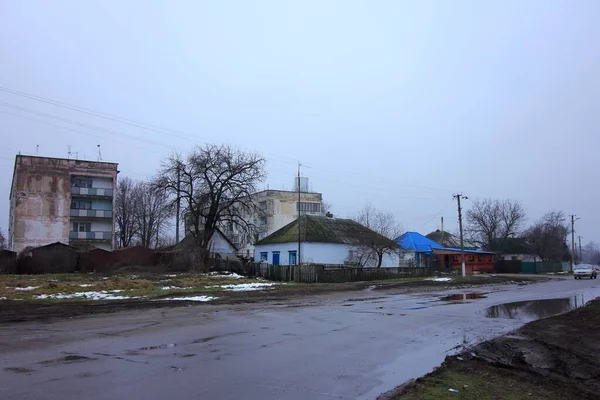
61, 200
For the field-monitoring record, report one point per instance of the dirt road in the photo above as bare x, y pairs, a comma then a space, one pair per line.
350, 345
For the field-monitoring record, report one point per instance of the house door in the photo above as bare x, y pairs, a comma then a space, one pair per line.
275, 258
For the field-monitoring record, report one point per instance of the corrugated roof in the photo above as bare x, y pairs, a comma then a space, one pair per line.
414, 241
321, 229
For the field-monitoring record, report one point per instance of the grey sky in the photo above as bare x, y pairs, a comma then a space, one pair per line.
396, 103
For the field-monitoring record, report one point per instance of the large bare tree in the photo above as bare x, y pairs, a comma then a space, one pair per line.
547, 237
384, 223
126, 203
490, 222
152, 214
214, 183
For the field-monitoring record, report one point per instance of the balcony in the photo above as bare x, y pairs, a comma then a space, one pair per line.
90, 235
91, 213
96, 192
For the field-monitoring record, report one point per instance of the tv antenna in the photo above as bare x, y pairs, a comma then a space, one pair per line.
99, 154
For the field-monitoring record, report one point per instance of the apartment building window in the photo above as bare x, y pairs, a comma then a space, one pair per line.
82, 227
81, 182
309, 207
81, 205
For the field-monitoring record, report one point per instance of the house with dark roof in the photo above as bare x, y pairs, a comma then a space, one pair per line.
446, 239
323, 240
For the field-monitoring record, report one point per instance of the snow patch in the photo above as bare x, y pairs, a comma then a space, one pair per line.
174, 287
231, 275
87, 285
26, 288
171, 276
244, 287
2, 298
196, 298
103, 295
439, 279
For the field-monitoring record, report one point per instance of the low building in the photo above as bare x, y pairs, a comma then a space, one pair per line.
323, 240
446, 239
417, 250
61, 200
421, 251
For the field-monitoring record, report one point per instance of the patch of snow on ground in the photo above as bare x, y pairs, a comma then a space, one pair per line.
103, 295
2, 298
174, 287
439, 279
27, 288
244, 287
196, 298
87, 285
232, 275
171, 276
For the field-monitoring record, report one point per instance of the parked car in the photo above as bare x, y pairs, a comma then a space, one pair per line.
585, 271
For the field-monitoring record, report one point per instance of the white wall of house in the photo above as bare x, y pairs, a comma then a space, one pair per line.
311, 252
218, 244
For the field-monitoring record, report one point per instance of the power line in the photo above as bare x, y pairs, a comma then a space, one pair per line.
179, 134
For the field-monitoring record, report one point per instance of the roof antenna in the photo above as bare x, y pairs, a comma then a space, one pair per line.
69, 152
99, 154
37, 149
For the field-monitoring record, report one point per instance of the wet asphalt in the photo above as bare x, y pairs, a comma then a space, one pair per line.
341, 346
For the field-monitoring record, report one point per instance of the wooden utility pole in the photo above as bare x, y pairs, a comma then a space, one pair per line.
178, 204
573, 250
299, 231
458, 196
580, 257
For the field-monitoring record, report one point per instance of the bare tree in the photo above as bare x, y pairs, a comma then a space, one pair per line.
2, 241
591, 253
214, 183
152, 213
325, 207
547, 237
126, 203
383, 223
491, 222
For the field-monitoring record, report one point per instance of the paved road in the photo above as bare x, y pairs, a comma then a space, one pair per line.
341, 346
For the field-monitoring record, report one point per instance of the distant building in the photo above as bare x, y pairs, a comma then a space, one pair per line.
273, 209
324, 240
447, 239
60, 200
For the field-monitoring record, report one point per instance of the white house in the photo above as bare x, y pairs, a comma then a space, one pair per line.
323, 240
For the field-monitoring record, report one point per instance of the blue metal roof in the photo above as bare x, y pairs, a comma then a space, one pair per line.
414, 241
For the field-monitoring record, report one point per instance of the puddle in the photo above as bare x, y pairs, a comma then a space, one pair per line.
463, 296
535, 309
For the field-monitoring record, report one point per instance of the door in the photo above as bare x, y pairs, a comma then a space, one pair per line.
275, 258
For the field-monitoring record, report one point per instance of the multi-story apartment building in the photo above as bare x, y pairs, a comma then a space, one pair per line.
61, 200
274, 210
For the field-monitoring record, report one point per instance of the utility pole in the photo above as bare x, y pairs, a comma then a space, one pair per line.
178, 206
573, 250
299, 237
458, 196
580, 257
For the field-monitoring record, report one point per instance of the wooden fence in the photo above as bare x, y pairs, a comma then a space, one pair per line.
324, 274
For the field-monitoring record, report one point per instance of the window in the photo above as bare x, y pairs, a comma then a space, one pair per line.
292, 257
262, 205
81, 182
81, 205
82, 227
309, 207
264, 255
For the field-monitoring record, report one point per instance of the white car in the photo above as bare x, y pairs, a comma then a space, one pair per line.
585, 271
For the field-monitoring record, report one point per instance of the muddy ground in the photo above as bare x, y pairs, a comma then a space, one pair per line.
22, 311
552, 358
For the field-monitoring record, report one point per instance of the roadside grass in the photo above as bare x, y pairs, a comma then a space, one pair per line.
138, 285
477, 381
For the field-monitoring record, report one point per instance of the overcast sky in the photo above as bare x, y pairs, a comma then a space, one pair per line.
397, 103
